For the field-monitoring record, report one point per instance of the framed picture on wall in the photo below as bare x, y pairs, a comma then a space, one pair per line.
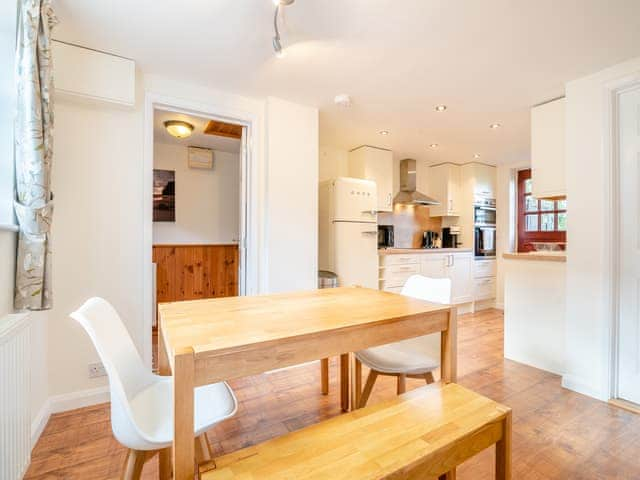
164, 195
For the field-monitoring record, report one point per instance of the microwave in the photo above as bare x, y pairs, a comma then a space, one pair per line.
385, 236
484, 211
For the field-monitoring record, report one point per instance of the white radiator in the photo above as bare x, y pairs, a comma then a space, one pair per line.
15, 421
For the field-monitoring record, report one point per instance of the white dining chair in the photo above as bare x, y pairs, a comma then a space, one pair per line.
412, 358
141, 402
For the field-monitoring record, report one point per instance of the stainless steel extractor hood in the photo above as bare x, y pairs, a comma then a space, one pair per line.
408, 193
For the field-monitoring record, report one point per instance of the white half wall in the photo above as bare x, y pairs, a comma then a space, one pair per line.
207, 201
292, 195
588, 313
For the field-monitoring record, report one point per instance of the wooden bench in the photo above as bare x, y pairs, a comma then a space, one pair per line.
422, 434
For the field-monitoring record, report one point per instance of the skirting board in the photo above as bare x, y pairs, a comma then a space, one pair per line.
573, 383
63, 403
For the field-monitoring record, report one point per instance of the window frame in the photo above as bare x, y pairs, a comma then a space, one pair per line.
525, 238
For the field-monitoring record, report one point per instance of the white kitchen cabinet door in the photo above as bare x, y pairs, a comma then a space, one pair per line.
629, 281
460, 271
484, 180
375, 164
444, 185
434, 265
547, 150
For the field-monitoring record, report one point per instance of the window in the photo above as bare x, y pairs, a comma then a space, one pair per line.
539, 220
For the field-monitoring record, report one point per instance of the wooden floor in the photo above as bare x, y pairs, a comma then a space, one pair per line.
557, 434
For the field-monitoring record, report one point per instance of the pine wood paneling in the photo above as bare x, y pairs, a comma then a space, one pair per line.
223, 129
189, 272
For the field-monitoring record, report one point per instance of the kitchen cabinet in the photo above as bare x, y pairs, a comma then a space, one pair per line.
372, 163
484, 274
395, 270
483, 178
547, 149
443, 183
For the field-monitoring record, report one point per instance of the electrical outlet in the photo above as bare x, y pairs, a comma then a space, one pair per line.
96, 370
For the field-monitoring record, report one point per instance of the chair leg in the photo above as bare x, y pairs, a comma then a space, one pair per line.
133, 465
202, 449
368, 386
402, 384
429, 378
324, 376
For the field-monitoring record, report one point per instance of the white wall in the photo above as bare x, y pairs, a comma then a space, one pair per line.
332, 163
207, 201
292, 195
588, 330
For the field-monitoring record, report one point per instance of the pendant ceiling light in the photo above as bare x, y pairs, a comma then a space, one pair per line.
276, 41
178, 128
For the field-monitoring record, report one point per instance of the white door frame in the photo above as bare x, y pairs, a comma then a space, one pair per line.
612, 255
249, 180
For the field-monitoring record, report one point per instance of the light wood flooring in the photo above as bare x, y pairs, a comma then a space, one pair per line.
557, 434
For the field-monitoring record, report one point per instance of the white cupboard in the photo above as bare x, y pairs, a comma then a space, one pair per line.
372, 163
547, 149
443, 183
458, 266
484, 179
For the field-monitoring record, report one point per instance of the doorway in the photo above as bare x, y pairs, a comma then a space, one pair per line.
202, 242
628, 301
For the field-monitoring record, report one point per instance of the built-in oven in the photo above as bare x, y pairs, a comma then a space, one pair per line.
484, 220
485, 241
484, 211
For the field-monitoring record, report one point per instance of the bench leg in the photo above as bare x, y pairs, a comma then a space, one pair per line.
503, 451
324, 375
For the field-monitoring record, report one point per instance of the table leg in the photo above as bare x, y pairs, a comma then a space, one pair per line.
449, 349
324, 375
183, 433
165, 457
503, 451
344, 382
358, 384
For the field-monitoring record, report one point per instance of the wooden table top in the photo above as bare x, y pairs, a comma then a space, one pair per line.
236, 323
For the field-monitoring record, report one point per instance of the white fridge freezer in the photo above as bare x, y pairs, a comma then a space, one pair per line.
348, 231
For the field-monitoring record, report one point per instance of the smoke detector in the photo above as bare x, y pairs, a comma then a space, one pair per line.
342, 100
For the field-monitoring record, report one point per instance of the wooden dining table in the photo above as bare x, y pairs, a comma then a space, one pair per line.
207, 341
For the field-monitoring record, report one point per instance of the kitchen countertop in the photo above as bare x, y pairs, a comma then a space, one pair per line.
406, 251
536, 256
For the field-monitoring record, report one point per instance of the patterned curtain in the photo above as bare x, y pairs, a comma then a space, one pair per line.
33, 152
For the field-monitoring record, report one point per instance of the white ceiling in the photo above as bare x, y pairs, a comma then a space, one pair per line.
488, 60
197, 138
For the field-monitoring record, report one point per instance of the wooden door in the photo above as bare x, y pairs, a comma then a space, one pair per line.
629, 304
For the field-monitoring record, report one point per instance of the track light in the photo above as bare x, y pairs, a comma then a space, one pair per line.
276, 42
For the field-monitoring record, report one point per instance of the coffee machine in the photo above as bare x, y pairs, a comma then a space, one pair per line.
450, 237
430, 239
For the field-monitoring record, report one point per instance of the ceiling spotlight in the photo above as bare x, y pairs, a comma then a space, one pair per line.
433, 145
476, 155
384, 132
441, 108
277, 44
342, 100
493, 126
178, 128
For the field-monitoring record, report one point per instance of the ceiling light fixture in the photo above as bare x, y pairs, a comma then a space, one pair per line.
384, 132
493, 126
178, 128
476, 155
433, 145
276, 42
441, 108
